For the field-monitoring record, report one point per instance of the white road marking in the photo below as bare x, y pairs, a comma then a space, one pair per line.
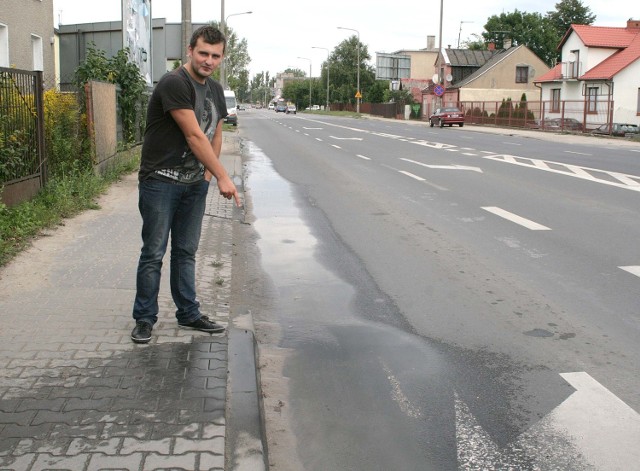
534, 226
604, 428
625, 181
363, 157
318, 139
346, 138
398, 395
337, 147
416, 177
591, 429
634, 270
576, 153
444, 167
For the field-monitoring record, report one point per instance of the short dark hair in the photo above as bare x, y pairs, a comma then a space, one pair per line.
210, 35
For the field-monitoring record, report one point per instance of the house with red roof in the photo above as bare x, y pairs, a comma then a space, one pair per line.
598, 78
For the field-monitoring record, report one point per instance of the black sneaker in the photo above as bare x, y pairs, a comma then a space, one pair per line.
203, 324
141, 333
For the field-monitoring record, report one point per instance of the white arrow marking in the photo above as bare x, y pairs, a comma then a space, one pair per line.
605, 429
591, 430
634, 270
444, 167
346, 138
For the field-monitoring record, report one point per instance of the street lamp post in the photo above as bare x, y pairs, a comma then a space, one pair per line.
307, 59
223, 67
328, 52
460, 30
358, 79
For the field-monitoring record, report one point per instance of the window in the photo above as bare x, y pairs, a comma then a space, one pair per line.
592, 100
574, 59
522, 74
4, 46
555, 100
37, 52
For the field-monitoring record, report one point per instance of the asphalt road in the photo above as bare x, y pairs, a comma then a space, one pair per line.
432, 298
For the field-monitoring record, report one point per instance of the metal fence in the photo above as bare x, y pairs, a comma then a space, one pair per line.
566, 115
21, 133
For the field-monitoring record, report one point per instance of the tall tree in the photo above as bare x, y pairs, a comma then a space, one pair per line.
531, 29
570, 12
236, 58
344, 70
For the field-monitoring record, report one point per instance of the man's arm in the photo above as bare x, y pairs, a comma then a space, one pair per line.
206, 151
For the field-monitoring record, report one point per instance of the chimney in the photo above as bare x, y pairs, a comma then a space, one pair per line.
633, 24
506, 44
491, 46
431, 43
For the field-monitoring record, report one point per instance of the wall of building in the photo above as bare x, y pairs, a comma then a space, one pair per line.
626, 98
166, 45
24, 18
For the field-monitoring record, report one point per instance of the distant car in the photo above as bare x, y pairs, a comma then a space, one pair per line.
449, 116
291, 109
618, 129
281, 108
272, 106
241, 107
564, 124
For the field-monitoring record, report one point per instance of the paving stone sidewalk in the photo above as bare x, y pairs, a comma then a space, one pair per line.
75, 392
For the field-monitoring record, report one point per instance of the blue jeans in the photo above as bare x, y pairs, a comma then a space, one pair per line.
176, 209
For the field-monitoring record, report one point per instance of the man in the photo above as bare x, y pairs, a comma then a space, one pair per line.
180, 154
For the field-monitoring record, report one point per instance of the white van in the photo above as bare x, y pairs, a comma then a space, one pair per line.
230, 98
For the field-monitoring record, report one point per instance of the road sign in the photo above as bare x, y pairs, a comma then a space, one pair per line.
439, 90
358, 94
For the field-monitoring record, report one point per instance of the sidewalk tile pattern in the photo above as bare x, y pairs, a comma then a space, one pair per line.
75, 392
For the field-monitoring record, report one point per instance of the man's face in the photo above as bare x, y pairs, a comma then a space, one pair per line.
205, 57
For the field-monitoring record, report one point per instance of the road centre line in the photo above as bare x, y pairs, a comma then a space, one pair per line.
337, 147
529, 224
318, 139
409, 174
363, 157
634, 270
576, 153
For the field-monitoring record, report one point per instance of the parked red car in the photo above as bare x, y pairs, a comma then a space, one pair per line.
449, 116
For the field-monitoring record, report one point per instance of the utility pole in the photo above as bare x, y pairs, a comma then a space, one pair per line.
187, 28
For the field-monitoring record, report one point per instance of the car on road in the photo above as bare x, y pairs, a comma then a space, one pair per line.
281, 108
618, 129
291, 109
447, 116
272, 106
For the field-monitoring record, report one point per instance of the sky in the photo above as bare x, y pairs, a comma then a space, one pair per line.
279, 32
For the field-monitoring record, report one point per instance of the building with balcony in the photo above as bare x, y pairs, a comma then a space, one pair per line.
598, 77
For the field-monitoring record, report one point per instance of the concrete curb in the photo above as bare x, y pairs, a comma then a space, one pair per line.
245, 443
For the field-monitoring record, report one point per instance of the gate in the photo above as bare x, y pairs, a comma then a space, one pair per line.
22, 171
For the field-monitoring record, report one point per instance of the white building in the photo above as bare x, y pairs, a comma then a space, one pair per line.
598, 78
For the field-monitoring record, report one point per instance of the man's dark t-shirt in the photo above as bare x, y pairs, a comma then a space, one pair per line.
165, 153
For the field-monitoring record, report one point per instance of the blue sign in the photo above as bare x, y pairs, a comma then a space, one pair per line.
439, 90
